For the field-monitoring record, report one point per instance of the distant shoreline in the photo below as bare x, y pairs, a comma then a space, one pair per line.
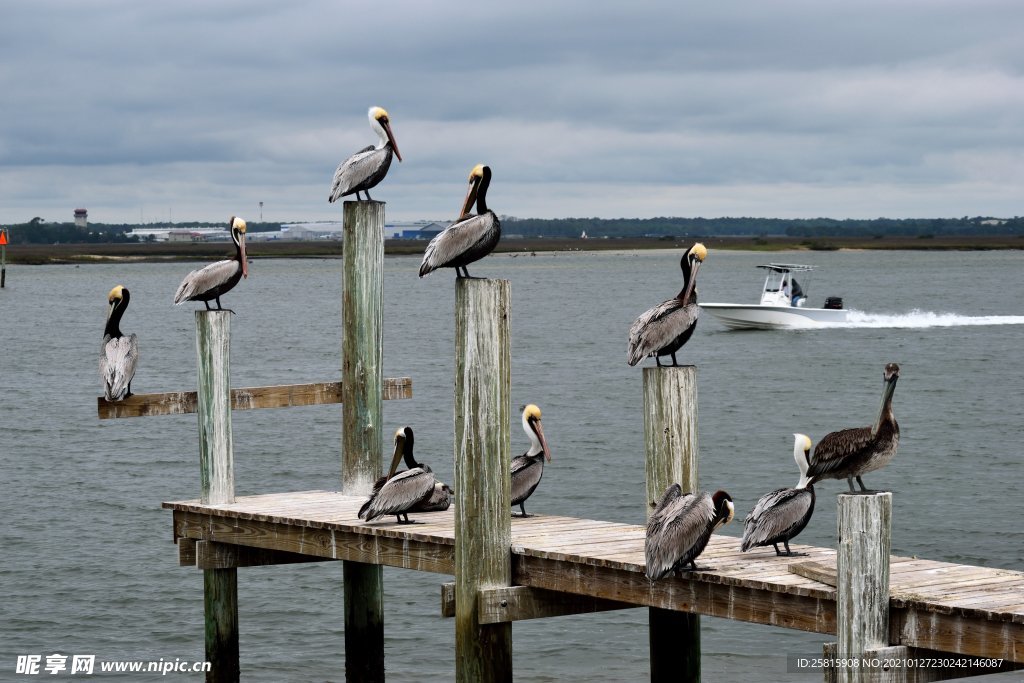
42, 254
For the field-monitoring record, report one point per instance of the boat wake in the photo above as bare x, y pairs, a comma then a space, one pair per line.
918, 318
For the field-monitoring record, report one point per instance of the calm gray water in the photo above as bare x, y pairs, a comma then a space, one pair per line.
88, 566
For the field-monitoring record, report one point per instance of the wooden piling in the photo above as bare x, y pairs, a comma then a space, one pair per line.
670, 447
483, 527
362, 414
862, 576
217, 484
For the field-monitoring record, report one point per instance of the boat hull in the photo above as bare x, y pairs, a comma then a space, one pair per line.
759, 317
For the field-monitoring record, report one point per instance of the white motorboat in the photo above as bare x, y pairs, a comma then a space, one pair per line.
783, 304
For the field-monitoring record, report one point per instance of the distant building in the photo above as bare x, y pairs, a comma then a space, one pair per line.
424, 232
184, 236
81, 218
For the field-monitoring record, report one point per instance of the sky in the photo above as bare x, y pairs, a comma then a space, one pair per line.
199, 110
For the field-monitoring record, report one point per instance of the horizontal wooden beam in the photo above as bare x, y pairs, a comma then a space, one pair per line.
213, 555
326, 544
517, 603
249, 398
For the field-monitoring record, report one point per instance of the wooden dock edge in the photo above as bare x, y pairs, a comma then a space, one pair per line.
248, 398
518, 603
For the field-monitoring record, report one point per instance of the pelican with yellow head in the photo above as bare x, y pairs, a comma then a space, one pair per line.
528, 468
472, 236
367, 167
209, 283
119, 353
664, 329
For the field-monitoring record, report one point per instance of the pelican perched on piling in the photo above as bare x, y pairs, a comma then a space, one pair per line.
368, 166
528, 468
780, 515
398, 494
119, 354
680, 527
662, 330
850, 453
217, 278
471, 237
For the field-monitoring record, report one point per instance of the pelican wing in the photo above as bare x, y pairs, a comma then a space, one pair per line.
676, 527
834, 448
118, 358
356, 170
658, 327
440, 499
774, 514
526, 475
462, 242
401, 493
201, 281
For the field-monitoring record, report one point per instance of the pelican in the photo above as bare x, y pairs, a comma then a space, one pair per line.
217, 278
680, 527
118, 353
471, 237
782, 514
398, 494
851, 453
368, 166
528, 468
662, 330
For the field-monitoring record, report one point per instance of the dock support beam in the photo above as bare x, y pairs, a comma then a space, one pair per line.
483, 516
862, 582
670, 445
217, 482
362, 415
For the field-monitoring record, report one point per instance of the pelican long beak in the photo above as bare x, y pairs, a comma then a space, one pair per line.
543, 441
245, 261
467, 205
397, 457
391, 139
692, 281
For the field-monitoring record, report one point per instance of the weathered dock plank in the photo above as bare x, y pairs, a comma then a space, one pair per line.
975, 611
247, 398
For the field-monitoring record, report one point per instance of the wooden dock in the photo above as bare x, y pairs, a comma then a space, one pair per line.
939, 606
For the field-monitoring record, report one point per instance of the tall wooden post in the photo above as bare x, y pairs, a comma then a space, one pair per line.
217, 481
670, 446
862, 578
483, 517
362, 414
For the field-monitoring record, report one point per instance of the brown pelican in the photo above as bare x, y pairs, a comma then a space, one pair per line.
217, 278
680, 527
398, 494
851, 453
662, 330
118, 353
368, 166
782, 514
528, 468
471, 237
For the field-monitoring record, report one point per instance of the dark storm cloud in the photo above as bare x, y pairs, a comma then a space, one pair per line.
582, 108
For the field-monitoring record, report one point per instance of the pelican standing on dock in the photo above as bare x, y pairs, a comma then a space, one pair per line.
850, 453
527, 469
119, 354
368, 166
663, 330
217, 278
780, 515
471, 237
398, 494
680, 528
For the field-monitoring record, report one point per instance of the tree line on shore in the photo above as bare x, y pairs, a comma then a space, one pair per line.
38, 231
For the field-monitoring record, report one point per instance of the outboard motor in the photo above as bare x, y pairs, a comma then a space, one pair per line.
834, 302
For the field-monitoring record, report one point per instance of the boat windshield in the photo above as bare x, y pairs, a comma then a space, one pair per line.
781, 288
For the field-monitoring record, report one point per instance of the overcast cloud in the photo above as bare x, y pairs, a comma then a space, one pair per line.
199, 110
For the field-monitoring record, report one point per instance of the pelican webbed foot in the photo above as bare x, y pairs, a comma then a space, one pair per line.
788, 553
